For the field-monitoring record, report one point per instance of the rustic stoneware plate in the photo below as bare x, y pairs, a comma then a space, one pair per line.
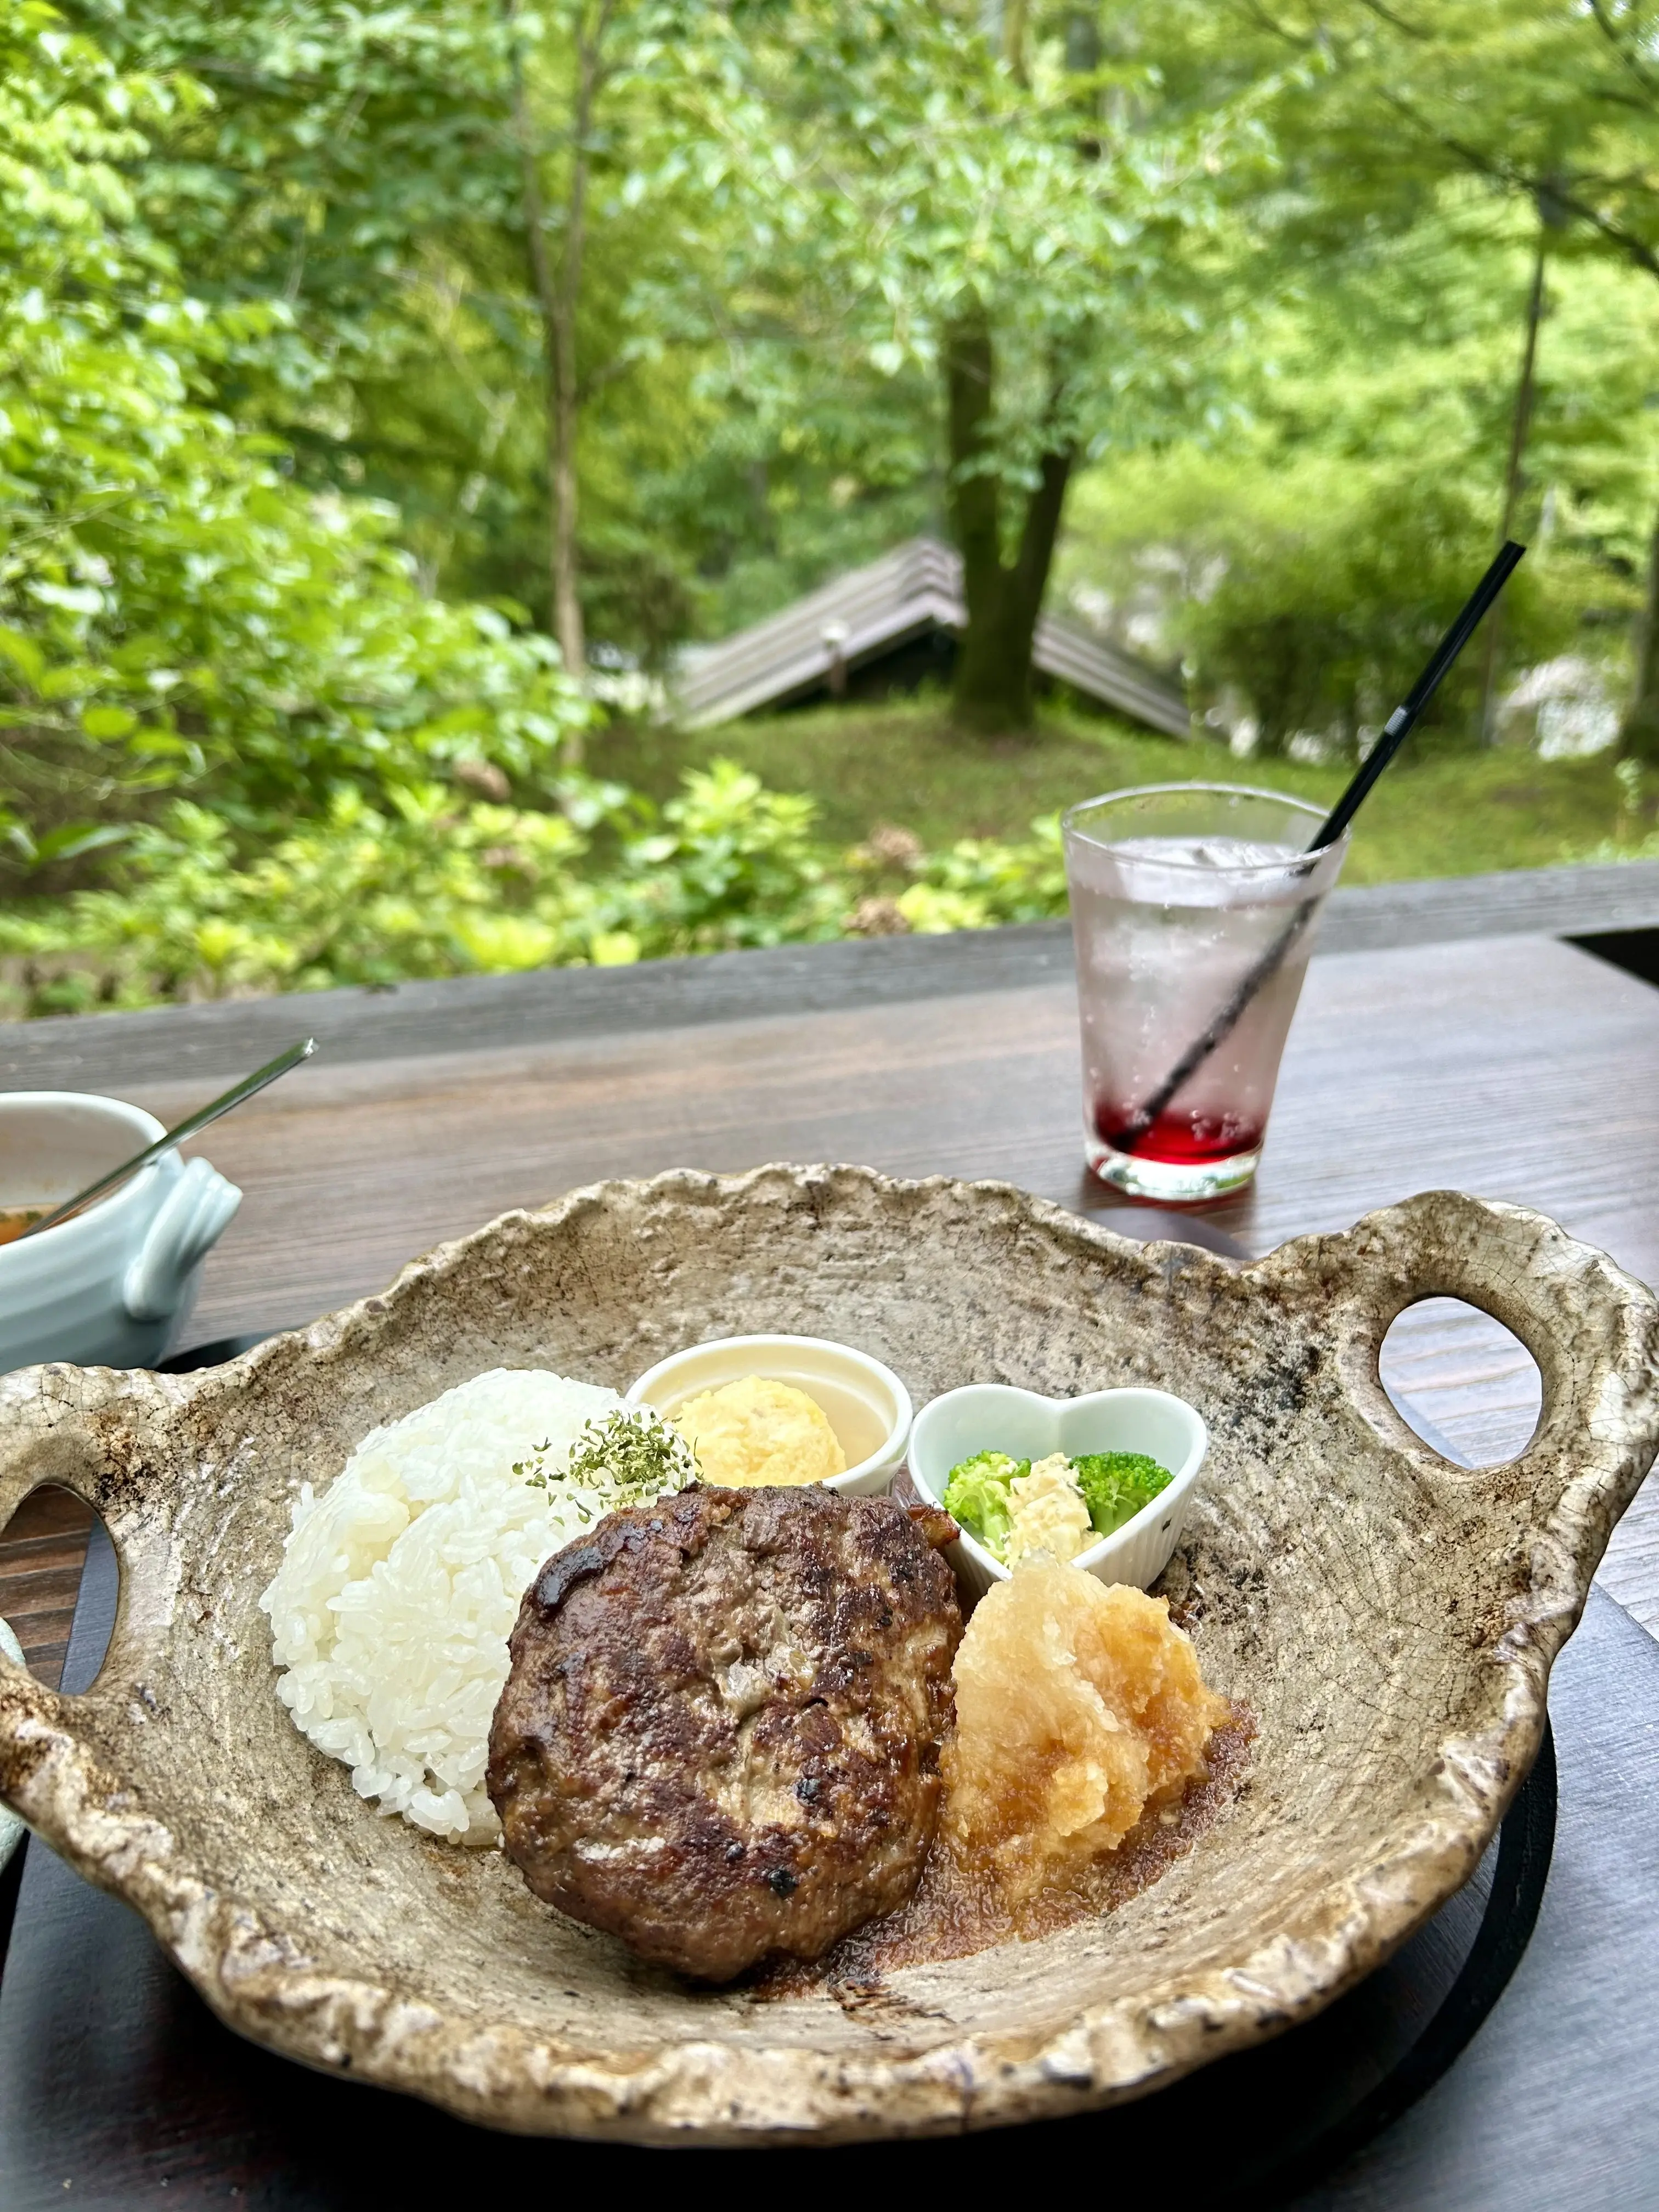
1390, 1617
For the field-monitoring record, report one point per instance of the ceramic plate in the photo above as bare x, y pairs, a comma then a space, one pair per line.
1390, 1617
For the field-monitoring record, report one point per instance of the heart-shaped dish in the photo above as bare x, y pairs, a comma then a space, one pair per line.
1390, 1620
995, 1417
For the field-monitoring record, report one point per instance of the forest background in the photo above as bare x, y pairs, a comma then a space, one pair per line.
389, 393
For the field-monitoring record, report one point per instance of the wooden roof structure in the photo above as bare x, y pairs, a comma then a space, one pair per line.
871, 614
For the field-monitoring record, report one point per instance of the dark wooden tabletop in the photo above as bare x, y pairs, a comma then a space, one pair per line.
1519, 1068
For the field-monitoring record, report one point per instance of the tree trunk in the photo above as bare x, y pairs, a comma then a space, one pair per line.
1013, 36
1639, 737
1082, 41
558, 295
541, 282
567, 397
1513, 480
992, 694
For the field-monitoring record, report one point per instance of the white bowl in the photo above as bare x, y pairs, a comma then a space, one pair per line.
865, 1404
995, 1417
111, 1287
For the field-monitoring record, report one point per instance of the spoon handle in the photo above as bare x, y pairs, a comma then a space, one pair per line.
188, 1128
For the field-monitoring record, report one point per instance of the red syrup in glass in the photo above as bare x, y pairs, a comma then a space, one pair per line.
1179, 1137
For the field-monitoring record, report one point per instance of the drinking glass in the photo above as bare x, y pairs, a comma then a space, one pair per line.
1180, 892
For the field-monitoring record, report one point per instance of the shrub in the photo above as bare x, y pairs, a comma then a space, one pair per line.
422, 886
176, 615
1306, 594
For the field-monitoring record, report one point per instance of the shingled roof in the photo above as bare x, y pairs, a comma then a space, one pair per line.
872, 613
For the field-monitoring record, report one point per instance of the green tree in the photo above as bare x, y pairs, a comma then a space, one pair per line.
905, 196
175, 612
454, 210
593, 41
1552, 105
1305, 561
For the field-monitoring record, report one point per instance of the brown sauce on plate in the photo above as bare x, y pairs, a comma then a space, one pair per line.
955, 1912
14, 1220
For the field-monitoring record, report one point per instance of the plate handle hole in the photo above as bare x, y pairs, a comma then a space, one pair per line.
1461, 1381
58, 1583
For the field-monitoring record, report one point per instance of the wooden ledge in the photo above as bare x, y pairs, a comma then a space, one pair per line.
122, 1052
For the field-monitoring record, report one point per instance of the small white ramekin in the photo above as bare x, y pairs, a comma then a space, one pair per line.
865, 1404
995, 1417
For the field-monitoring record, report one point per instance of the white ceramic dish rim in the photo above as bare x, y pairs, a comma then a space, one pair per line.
1182, 1478
12, 1827
131, 1195
890, 1454
1594, 1328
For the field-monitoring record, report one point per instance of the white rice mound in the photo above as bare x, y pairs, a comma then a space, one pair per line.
400, 1583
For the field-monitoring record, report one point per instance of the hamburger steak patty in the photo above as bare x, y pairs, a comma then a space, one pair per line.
720, 1734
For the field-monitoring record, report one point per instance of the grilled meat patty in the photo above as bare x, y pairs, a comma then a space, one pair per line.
720, 1735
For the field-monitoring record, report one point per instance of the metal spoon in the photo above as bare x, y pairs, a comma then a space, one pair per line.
233, 1096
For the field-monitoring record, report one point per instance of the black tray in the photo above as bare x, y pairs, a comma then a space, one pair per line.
115, 2078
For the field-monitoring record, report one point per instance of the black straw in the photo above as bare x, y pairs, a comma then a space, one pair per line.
1400, 723
1395, 731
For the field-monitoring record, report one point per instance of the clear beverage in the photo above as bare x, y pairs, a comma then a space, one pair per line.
1180, 893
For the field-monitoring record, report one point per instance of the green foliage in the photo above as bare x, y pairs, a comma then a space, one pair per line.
175, 613
1009, 241
1308, 567
361, 896
1440, 811
732, 865
334, 161
423, 886
979, 881
890, 173
1313, 590
1327, 610
365, 171
275, 442
1543, 99
420, 886
1534, 123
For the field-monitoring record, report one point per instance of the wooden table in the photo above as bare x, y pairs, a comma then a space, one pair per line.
1519, 1068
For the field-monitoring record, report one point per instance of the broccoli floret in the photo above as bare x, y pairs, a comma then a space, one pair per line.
1117, 1485
977, 1495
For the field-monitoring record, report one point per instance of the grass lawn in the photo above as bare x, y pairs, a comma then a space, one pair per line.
1440, 815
